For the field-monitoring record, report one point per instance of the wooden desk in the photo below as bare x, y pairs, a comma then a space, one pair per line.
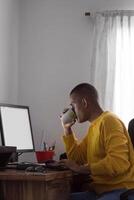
20, 185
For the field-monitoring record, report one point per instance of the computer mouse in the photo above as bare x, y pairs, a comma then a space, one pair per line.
39, 169
30, 169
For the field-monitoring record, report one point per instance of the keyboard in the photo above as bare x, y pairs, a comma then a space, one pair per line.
52, 165
21, 165
25, 165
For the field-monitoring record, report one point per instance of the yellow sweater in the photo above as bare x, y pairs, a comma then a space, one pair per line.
108, 151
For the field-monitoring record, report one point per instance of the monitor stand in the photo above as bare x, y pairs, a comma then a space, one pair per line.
14, 157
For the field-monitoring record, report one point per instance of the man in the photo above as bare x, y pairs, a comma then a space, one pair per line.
106, 152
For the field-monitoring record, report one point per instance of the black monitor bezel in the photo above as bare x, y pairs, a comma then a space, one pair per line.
1, 126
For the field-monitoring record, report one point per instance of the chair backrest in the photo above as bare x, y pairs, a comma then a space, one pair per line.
131, 130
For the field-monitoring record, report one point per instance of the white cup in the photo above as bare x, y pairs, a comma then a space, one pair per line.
68, 117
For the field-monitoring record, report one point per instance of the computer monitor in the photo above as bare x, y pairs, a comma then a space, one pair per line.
15, 127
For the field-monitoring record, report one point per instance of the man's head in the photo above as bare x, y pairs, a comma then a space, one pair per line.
84, 99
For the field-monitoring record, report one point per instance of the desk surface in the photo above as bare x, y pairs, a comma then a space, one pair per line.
21, 185
12, 174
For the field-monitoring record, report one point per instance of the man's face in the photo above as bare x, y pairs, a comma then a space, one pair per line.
78, 107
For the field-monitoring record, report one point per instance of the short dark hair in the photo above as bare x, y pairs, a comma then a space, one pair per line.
85, 89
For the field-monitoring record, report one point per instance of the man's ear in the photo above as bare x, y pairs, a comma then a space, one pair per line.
84, 102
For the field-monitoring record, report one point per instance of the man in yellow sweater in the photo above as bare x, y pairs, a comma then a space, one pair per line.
106, 152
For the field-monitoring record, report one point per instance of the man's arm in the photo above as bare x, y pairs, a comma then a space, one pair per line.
75, 151
80, 169
117, 150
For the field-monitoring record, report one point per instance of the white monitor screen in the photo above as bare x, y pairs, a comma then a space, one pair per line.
16, 127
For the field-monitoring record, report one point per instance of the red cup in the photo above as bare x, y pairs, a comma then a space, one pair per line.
43, 156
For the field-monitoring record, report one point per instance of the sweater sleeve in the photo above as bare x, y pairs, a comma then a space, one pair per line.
76, 151
116, 159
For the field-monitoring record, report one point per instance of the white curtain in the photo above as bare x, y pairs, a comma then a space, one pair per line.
112, 61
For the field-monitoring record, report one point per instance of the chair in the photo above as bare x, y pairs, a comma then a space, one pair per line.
125, 195
131, 130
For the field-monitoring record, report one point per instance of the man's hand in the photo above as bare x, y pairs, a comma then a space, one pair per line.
82, 169
70, 164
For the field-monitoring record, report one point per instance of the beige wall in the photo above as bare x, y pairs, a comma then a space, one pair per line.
54, 57
44, 52
9, 50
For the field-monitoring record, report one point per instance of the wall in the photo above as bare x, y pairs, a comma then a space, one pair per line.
54, 56
8, 51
